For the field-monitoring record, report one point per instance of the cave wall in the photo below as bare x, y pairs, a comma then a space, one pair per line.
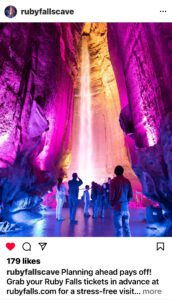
142, 52
38, 66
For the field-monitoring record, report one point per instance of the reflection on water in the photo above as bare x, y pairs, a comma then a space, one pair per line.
35, 224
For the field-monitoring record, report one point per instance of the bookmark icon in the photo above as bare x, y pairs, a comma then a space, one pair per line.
42, 245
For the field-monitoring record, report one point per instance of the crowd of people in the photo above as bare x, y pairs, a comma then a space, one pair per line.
115, 193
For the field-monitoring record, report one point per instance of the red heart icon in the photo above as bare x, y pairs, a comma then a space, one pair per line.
10, 246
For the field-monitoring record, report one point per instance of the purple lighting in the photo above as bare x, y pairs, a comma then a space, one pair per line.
124, 72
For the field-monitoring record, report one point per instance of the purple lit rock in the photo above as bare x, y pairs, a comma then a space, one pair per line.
142, 61
38, 68
147, 85
166, 144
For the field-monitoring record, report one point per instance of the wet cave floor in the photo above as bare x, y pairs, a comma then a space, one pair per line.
44, 224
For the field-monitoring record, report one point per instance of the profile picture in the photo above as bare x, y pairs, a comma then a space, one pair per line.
10, 11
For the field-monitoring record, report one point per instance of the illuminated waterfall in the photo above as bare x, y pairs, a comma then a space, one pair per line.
85, 158
97, 139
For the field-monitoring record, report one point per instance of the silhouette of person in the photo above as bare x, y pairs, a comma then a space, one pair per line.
106, 187
101, 201
74, 185
86, 201
94, 198
60, 199
120, 195
98, 200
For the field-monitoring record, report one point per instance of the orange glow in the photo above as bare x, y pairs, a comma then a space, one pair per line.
98, 141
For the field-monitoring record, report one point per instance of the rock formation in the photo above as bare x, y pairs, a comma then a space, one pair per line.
38, 66
142, 55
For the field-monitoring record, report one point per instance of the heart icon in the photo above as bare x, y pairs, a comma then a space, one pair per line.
10, 246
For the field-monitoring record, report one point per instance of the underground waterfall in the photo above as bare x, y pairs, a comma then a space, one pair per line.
97, 140
85, 149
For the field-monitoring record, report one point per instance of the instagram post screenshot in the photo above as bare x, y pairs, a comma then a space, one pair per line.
86, 150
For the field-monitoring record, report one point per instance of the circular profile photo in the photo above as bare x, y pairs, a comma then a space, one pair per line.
10, 11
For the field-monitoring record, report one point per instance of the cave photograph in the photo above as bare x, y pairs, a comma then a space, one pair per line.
85, 129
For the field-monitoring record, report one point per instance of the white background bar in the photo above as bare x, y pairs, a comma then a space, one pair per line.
91, 253
93, 10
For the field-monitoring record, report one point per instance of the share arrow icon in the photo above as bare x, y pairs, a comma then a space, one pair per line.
42, 245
